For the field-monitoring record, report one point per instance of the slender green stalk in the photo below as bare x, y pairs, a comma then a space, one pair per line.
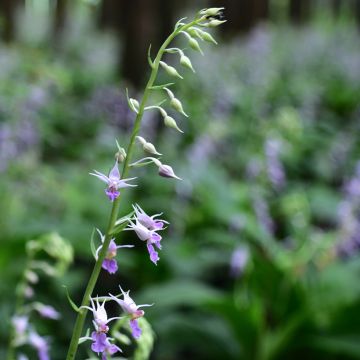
79, 324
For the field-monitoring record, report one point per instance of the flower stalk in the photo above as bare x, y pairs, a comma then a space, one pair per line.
80, 320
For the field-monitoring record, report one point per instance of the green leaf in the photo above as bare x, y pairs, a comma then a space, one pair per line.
151, 63
92, 244
73, 305
160, 87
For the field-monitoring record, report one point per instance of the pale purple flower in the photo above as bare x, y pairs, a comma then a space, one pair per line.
101, 344
167, 171
100, 316
129, 307
149, 221
110, 263
239, 259
150, 236
47, 311
113, 181
20, 323
275, 168
40, 344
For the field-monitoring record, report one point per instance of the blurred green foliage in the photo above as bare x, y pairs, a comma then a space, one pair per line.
270, 144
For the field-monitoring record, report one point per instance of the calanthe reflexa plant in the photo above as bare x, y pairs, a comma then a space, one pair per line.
148, 228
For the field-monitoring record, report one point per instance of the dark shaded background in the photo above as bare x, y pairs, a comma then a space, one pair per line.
261, 258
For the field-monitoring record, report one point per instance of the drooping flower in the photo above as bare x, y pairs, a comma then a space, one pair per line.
149, 221
129, 307
101, 344
167, 171
110, 263
40, 344
150, 236
100, 316
113, 181
47, 311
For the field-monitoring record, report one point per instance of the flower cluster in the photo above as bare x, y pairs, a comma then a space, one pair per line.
146, 228
101, 343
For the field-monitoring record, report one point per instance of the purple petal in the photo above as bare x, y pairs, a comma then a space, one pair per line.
112, 349
112, 247
135, 328
158, 225
48, 311
112, 194
155, 237
110, 265
157, 244
154, 256
114, 173
100, 342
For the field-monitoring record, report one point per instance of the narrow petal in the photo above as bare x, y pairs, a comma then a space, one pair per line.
100, 176
154, 256
114, 173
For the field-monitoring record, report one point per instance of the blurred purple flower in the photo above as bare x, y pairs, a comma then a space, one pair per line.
275, 168
40, 344
20, 323
47, 311
239, 259
113, 181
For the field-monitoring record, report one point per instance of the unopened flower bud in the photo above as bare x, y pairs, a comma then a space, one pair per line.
134, 104
150, 148
176, 104
195, 45
167, 171
120, 155
207, 37
185, 61
215, 22
194, 32
170, 122
170, 70
212, 11
141, 140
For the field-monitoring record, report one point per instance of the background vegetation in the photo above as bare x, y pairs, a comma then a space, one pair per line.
261, 258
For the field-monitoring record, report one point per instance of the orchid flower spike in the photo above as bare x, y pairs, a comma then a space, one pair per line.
110, 263
113, 181
100, 316
150, 236
129, 307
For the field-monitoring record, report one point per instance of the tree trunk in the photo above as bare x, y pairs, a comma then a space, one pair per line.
7, 11
299, 11
59, 20
139, 31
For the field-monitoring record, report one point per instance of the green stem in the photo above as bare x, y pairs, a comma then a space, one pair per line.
80, 320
